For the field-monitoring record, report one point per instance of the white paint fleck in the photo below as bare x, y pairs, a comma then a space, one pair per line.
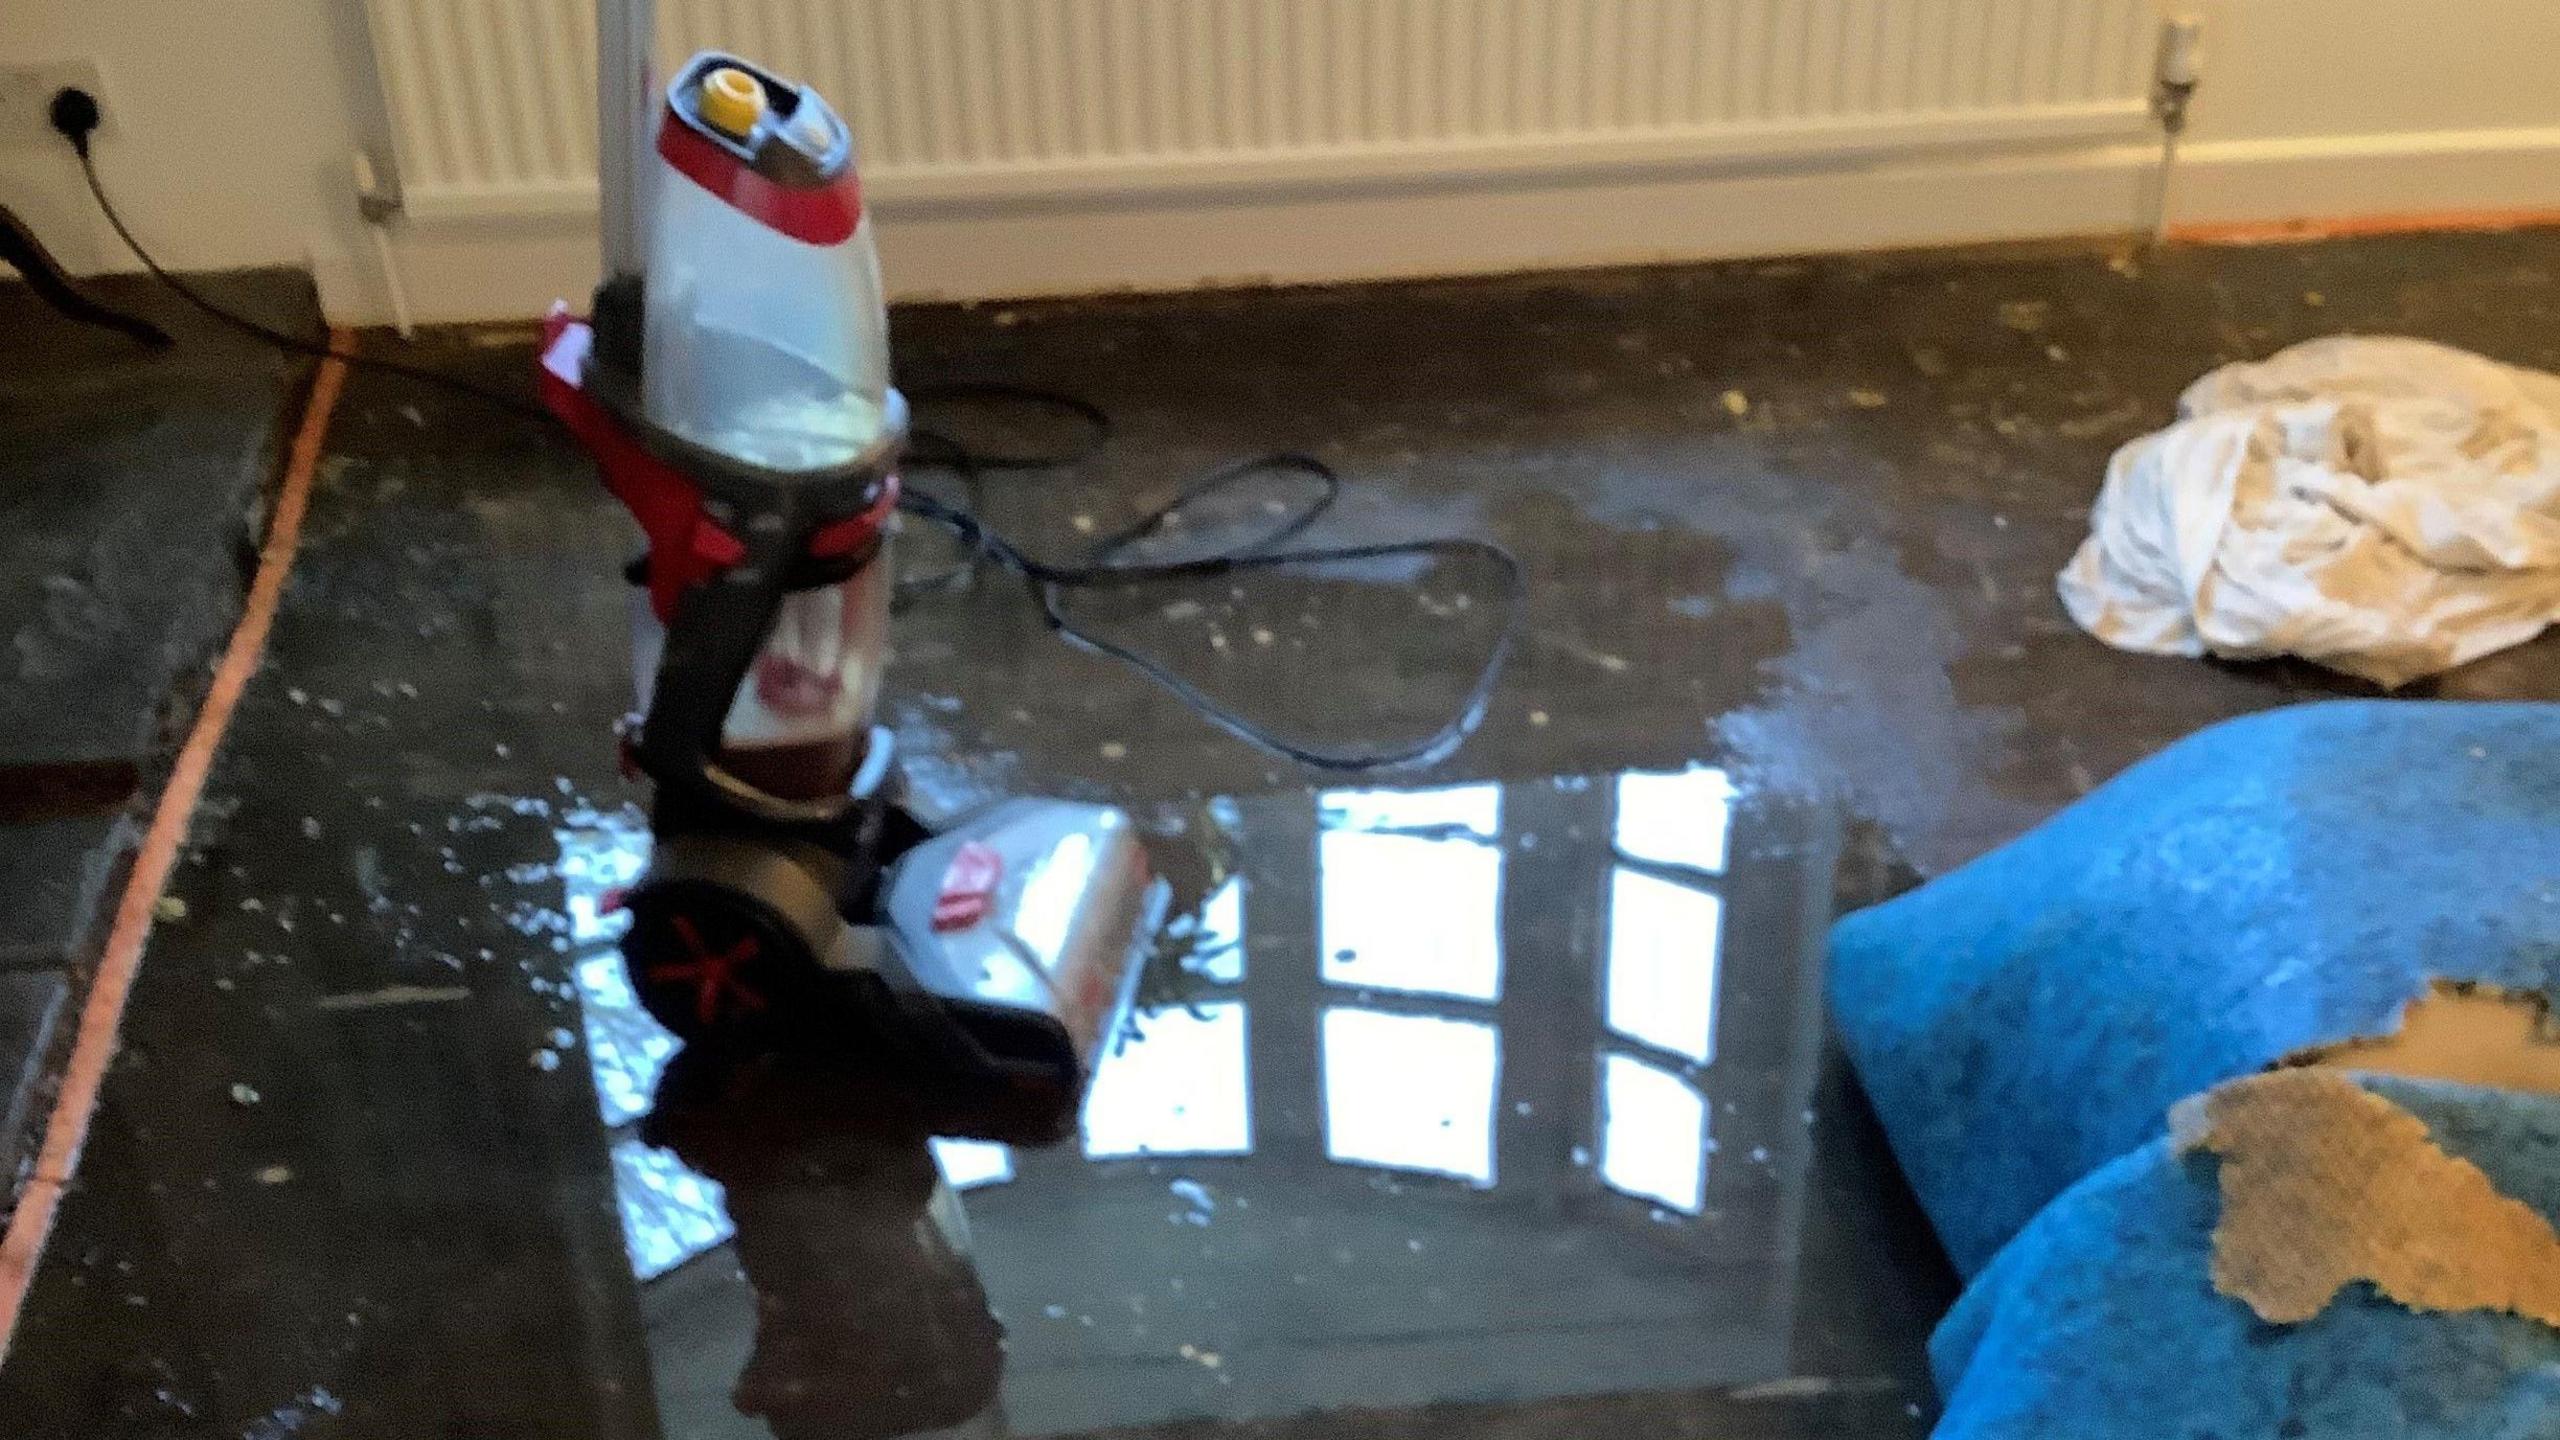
390, 995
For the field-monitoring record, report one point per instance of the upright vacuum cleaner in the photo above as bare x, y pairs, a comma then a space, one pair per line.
732, 383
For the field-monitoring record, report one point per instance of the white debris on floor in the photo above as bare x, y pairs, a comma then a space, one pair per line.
2385, 507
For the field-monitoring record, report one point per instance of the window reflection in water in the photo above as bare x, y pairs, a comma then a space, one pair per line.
1409, 890
1653, 1135
1664, 939
1475, 809
601, 854
669, 1213
1217, 946
1410, 1092
1682, 818
1409, 899
626, 1049
1047, 910
1176, 1085
973, 1164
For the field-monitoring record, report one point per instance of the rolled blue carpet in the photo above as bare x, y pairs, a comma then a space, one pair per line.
2272, 884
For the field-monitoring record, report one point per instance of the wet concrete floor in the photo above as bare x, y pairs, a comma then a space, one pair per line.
1509, 1114
132, 485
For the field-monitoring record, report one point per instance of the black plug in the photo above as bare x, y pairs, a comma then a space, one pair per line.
74, 113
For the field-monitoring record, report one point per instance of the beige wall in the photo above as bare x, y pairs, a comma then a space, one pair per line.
2315, 68
229, 132
232, 123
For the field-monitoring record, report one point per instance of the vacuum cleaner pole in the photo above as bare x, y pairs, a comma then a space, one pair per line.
625, 107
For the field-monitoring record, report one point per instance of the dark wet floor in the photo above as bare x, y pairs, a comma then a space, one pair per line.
1557, 1150
131, 483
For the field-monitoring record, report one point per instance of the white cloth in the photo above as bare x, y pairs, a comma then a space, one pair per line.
2389, 508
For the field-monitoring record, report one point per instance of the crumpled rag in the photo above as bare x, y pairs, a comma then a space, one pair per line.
2385, 507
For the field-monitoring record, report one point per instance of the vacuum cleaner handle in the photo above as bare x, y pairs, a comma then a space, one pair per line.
626, 115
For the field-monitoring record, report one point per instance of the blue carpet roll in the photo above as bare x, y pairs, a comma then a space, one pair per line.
2272, 884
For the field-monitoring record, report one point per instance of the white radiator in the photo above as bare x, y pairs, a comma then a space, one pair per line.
985, 101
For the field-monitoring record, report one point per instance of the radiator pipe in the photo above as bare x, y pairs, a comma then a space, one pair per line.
2173, 87
624, 109
377, 207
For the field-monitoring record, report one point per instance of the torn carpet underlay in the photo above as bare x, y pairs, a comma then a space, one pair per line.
2385, 507
2234, 1089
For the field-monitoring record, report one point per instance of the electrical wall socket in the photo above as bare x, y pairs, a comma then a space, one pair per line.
26, 94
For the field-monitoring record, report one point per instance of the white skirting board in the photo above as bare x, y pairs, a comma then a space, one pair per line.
512, 268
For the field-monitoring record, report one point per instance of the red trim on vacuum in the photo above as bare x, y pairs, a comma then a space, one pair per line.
968, 887
817, 215
685, 548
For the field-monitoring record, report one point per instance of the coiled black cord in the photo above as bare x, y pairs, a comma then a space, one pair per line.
1050, 584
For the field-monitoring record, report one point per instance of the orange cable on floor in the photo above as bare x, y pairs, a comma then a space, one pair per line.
94, 1046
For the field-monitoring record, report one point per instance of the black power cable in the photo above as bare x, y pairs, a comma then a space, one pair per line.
1049, 583
285, 339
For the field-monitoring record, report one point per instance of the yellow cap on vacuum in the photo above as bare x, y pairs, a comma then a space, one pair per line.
732, 101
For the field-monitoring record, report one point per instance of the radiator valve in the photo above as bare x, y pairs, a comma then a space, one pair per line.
2180, 66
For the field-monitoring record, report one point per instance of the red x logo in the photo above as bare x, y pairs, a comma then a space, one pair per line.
713, 975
